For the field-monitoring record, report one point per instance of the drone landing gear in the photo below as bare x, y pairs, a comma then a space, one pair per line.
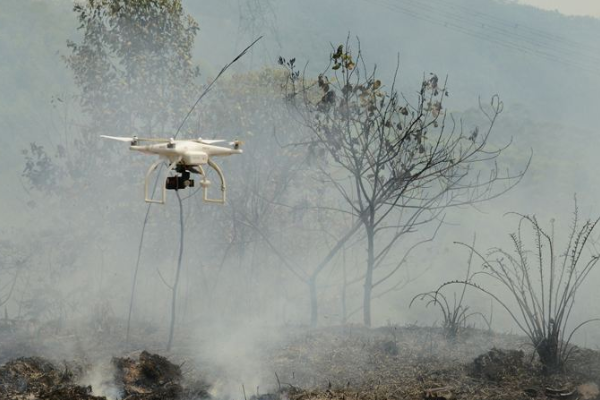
205, 183
182, 180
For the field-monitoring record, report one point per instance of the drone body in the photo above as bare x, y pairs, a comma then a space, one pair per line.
184, 156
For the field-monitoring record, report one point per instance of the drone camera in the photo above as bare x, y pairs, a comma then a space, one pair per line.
179, 182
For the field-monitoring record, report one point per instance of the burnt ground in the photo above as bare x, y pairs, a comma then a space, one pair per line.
342, 363
417, 362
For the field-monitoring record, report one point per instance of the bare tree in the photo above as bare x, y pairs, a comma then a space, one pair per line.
266, 208
12, 264
270, 213
396, 165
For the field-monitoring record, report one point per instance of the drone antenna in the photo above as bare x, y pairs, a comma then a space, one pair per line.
209, 87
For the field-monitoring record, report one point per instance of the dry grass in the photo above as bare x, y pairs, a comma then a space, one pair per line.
415, 362
411, 362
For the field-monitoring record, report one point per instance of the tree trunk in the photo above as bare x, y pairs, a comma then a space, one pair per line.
344, 289
369, 277
548, 350
312, 282
177, 274
314, 310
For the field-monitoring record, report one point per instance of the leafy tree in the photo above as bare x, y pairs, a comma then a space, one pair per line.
134, 66
396, 165
134, 71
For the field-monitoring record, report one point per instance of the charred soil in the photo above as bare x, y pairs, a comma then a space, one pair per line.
145, 377
337, 363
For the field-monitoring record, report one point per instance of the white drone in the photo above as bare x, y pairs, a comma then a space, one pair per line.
184, 156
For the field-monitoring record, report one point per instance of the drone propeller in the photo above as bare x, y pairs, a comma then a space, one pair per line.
135, 139
209, 141
119, 138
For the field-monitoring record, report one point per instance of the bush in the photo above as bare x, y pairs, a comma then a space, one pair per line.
455, 313
542, 282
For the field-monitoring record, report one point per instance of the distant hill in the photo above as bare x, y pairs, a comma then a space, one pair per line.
543, 64
543, 60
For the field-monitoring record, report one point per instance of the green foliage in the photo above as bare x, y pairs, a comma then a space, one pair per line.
134, 65
133, 68
40, 169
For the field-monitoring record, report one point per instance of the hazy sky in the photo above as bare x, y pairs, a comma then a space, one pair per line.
571, 7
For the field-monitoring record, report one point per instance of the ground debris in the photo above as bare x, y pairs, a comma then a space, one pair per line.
588, 391
561, 393
337, 363
31, 375
149, 372
441, 393
387, 347
147, 377
268, 396
497, 365
154, 377
70, 392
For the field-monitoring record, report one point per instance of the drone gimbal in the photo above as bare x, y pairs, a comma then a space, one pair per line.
182, 180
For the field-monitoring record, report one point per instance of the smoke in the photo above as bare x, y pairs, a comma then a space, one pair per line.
246, 263
101, 377
237, 353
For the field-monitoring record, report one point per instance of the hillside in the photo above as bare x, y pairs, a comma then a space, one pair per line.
543, 64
